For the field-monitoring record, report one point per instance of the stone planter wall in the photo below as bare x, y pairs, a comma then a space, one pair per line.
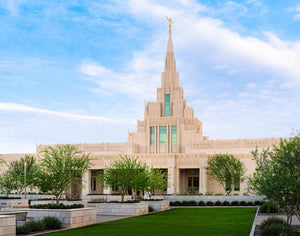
70, 218
91, 198
42, 202
7, 225
13, 203
159, 205
120, 209
206, 198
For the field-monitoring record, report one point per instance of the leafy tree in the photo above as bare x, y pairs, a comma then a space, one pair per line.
227, 170
277, 175
24, 173
60, 167
126, 174
8, 183
158, 181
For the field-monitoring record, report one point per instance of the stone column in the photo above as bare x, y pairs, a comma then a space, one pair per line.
203, 175
86, 183
106, 190
171, 175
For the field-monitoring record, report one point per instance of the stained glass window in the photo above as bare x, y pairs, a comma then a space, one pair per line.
174, 135
163, 135
152, 135
167, 104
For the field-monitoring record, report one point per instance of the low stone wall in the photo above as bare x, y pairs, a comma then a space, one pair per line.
7, 225
198, 198
31, 196
159, 205
94, 198
70, 218
14, 203
120, 209
42, 202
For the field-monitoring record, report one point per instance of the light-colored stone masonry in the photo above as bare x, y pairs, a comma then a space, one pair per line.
70, 218
13, 203
215, 198
120, 209
159, 205
7, 225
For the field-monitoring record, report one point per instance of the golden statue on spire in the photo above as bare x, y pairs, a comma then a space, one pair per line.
170, 22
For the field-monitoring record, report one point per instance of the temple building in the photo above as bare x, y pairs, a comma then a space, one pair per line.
169, 138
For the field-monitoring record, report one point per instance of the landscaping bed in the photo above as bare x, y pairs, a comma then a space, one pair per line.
70, 218
51, 201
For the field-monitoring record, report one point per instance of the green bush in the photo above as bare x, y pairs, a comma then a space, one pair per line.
177, 203
218, 194
55, 206
52, 222
226, 203
184, 203
25, 229
218, 203
243, 203
210, 203
36, 225
250, 203
268, 207
274, 226
235, 203
258, 203
6, 197
192, 203
150, 209
201, 203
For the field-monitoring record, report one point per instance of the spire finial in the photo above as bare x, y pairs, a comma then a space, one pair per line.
170, 22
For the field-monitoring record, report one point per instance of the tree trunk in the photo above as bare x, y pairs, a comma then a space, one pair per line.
122, 196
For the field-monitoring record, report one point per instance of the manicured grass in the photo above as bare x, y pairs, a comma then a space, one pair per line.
180, 221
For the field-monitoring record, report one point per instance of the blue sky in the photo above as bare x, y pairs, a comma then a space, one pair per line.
80, 71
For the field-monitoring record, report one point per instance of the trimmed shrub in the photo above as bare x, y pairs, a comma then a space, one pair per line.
210, 203
36, 225
25, 229
258, 203
235, 203
55, 206
150, 209
6, 197
52, 222
218, 203
184, 203
250, 204
192, 203
226, 203
268, 207
177, 203
243, 203
275, 226
201, 203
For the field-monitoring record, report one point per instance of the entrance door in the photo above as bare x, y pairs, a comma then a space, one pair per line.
193, 184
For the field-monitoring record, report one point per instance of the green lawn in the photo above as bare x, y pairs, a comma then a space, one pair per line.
180, 221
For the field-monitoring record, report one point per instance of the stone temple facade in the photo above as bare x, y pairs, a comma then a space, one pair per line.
169, 138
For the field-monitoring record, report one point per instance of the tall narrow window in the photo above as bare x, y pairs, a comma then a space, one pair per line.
163, 135
167, 104
152, 135
174, 135
237, 185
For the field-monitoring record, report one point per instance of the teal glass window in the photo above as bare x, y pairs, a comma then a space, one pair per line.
152, 135
163, 135
167, 104
174, 135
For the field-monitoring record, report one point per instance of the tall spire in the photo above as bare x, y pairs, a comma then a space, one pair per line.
170, 43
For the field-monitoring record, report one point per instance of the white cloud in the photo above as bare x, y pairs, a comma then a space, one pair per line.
12, 6
21, 108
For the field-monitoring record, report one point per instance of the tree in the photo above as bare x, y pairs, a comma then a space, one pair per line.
277, 175
8, 183
60, 167
158, 181
227, 170
126, 174
24, 173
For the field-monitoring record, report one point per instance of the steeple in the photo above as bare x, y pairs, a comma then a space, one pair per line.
170, 62
170, 43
